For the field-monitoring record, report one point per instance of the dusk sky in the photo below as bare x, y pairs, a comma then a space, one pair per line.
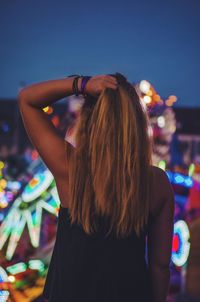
154, 40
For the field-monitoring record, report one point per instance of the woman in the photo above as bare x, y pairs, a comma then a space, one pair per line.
112, 198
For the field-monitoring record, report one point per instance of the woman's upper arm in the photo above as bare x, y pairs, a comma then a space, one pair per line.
45, 138
160, 232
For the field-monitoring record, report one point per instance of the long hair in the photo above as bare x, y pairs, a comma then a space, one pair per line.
109, 174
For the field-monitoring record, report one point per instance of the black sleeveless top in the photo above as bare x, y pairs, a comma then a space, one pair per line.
95, 268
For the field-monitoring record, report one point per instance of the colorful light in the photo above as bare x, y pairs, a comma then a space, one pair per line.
181, 245
45, 109
11, 279
13, 185
36, 186
3, 183
4, 294
36, 265
161, 121
144, 86
191, 170
162, 165
17, 268
39, 194
48, 109
147, 99
1, 165
180, 179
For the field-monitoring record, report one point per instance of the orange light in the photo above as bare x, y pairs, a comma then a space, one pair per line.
3, 183
169, 103
156, 98
173, 98
150, 93
48, 109
33, 182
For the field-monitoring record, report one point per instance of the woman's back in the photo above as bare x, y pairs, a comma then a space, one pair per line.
99, 268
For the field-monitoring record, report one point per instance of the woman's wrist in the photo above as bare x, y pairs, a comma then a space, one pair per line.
79, 85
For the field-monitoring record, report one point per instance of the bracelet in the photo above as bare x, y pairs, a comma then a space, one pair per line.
75, 86
84, 83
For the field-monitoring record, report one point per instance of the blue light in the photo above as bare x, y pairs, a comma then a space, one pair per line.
180, 179
1, 216
5, 127
188, 182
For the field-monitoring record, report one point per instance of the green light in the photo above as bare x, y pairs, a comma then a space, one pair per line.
36, 265
17, 268
191, 170
162, 165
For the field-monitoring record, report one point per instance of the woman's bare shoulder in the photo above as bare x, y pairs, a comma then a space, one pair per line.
159, 175
162, 190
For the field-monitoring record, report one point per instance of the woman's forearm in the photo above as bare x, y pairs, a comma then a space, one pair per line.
45, 93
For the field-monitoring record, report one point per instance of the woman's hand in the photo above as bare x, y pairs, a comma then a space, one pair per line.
98, 83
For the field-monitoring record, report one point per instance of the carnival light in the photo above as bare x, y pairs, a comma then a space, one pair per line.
181, 245
161, 121
13, 185
3, 183
11, 279
147, 99
145, 86
162, 165
1, 165
36, 186
1, 216
180, 179
4, 294
39, 194
36, 265
3, 203
191, 170
17, 268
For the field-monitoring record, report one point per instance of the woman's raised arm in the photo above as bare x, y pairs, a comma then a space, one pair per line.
41, 131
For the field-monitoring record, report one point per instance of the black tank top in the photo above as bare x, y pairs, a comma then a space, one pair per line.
96, 268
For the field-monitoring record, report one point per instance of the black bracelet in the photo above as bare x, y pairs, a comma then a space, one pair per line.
75, 86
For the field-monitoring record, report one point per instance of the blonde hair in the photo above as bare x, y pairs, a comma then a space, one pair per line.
109, 174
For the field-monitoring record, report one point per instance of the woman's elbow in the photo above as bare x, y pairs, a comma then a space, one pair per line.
23, 97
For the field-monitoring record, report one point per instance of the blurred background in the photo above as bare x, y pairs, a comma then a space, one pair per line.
156, 45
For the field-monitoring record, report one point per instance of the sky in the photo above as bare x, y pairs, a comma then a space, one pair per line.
155, 40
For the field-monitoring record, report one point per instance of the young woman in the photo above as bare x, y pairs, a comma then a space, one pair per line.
112, 198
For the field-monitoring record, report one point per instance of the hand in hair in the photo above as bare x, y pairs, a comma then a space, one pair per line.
98, 83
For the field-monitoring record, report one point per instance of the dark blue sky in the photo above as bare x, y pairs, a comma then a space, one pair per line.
154, 40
